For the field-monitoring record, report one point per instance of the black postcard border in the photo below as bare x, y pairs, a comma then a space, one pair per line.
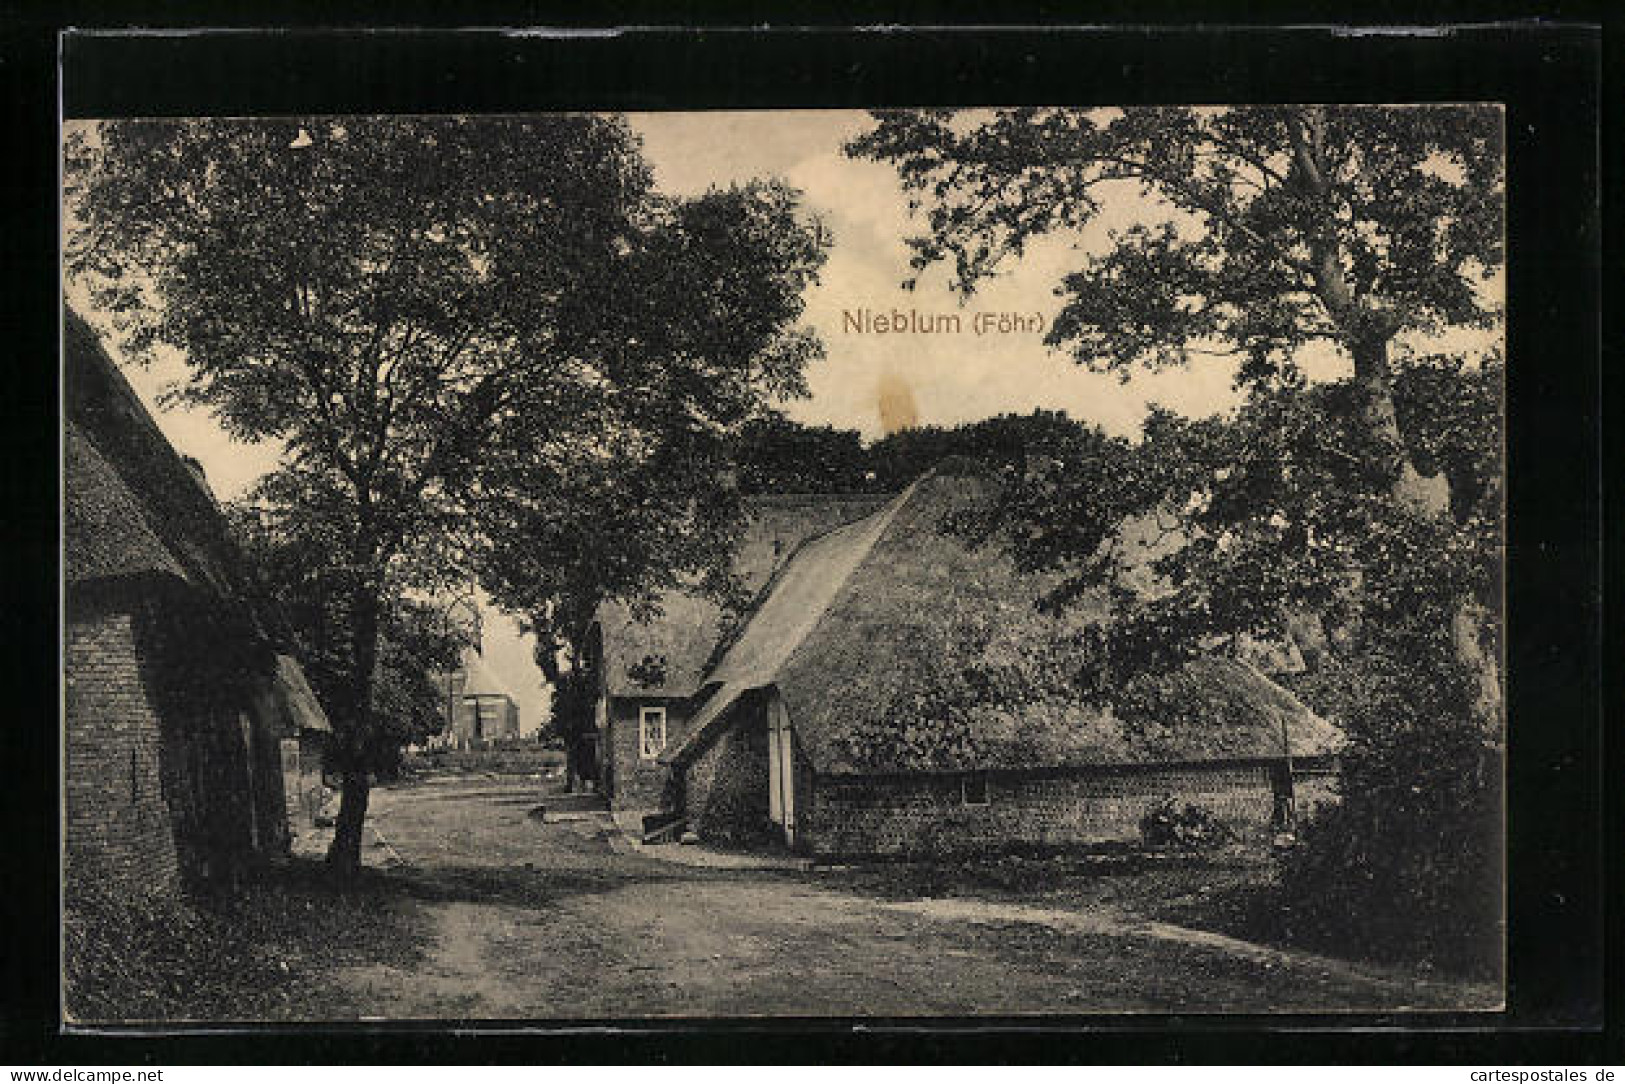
1547, 74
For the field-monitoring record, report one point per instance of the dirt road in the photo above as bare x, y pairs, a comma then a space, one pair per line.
536, 919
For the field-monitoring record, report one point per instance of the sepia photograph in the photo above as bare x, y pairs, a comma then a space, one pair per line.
787, 563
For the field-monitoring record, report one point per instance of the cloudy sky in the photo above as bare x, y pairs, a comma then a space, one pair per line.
937, 378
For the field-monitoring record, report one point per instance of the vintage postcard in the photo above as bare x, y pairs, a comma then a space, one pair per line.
1014, 562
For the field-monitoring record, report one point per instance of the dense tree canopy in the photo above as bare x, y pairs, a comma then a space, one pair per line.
467, 333
778, 455
418, 640
1264, 229
1359, 519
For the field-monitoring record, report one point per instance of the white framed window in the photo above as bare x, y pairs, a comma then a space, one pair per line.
973, 788
651, 732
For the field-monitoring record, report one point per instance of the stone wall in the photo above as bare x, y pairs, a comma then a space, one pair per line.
927, 814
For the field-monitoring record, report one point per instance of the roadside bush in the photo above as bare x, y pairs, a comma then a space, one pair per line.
1408, 865
1169, 826
526, 759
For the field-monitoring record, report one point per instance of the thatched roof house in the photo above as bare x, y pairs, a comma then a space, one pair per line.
649, 670
844, 712
176, 696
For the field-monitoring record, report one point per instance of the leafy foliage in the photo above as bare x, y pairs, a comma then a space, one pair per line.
649, 670
286, 542
1271, 227
254, 954
928, 721
1283, 532
1308, 517
1191, 827
699, 336
778, 455
1409, 862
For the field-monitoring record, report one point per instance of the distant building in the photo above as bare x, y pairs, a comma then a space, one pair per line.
477, 710
176, 697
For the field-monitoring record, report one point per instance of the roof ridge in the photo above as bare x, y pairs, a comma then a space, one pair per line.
137, 408
755, 674
726, 643
873, 525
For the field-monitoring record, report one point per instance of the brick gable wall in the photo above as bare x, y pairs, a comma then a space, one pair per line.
118, 823
169, 778
725, 786
633, 781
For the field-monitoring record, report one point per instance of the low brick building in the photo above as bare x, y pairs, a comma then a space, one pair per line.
175, 697
819, 722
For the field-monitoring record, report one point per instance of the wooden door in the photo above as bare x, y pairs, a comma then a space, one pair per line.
781, 777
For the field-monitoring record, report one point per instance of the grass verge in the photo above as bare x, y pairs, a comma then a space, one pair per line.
1232, 890
261, 952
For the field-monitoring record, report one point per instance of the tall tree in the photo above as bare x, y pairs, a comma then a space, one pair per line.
1261, 230
418, 639
697, 336
412, 306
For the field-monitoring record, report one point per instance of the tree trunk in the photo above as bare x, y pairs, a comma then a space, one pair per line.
1367, 334
1429, 495
355, 737
344, 856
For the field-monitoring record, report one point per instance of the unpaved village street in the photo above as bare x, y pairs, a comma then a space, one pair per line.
566, 919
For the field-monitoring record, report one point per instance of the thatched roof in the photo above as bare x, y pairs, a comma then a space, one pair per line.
684, 635
287, 701
105, 527
132, 509
131, 505
846, 629
664, 655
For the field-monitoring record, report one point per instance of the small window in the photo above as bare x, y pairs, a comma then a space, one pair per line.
651, 732
973, 788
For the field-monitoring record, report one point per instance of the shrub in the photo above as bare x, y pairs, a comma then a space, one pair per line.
1192, 827
259, 952
1409, 863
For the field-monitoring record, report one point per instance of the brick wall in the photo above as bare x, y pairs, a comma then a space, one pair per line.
168, 775
725, 787
117, 821
926, 813
634, 782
